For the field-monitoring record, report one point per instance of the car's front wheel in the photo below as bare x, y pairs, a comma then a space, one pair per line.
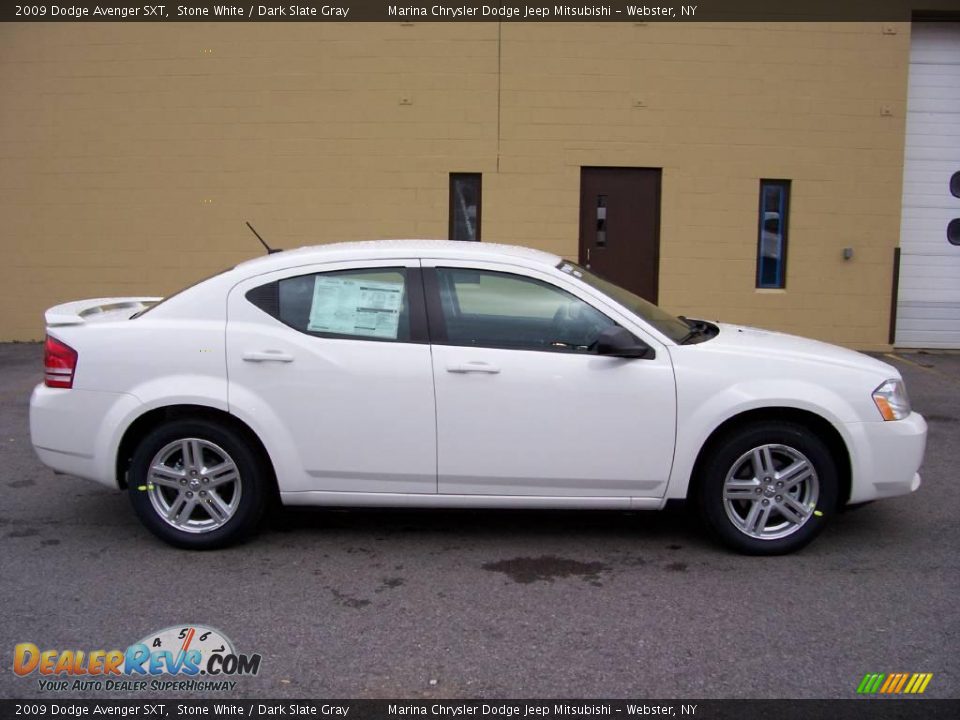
768, 489
197, 484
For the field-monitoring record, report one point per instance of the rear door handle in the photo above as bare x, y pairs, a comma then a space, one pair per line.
267, 356
473, 367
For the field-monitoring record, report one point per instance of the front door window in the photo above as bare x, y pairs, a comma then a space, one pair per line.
482, 308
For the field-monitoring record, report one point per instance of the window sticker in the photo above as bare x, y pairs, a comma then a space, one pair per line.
368, 308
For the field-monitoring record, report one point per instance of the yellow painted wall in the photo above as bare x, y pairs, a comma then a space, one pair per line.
130, 155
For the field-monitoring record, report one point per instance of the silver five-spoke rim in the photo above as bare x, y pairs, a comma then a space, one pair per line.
194, 485
771, 492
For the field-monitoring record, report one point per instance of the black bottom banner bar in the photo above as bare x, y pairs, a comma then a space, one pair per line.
858, 709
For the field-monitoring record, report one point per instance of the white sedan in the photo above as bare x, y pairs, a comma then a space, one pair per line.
442, 374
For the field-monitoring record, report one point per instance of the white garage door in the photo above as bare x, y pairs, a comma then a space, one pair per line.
928, 300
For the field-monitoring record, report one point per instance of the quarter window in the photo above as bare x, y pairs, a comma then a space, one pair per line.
772, 244
369, 303
493, 309
465, 191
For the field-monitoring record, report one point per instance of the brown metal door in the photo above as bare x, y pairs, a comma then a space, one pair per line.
620, 226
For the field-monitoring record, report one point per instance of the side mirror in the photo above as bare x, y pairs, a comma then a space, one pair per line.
618, 342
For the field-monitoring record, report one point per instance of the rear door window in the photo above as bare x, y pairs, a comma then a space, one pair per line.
369, 303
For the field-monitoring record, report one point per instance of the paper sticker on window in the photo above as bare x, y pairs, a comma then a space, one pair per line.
368, 308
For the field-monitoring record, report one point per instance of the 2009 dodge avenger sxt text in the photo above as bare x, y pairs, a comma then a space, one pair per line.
442, 374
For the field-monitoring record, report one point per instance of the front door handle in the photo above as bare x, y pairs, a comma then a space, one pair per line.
475, 366
267, 356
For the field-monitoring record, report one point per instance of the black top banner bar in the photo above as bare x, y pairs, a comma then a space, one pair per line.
476, 11
259, 709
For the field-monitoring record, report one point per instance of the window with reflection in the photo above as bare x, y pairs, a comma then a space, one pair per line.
772, 243
485, 308
465, 193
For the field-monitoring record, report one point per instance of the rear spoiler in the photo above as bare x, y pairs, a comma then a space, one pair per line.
99, 309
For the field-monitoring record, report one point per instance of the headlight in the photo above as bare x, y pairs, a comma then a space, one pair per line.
891, 400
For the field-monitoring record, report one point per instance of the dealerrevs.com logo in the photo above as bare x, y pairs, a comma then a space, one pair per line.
195, 656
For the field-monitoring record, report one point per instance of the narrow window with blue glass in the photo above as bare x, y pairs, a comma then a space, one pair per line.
772, 243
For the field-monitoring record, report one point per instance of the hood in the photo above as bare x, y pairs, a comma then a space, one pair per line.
758, 343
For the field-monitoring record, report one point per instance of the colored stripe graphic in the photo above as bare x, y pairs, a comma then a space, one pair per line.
894, 683
891, 681
899, 687
914, 681
870, 683
918, 683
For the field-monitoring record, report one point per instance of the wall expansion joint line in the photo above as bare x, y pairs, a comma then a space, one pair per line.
499, 85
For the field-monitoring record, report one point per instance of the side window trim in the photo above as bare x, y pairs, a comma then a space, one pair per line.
436, 320
413, 273
436, 325
419, 329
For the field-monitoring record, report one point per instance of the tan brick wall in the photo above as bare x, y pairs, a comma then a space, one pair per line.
131, 154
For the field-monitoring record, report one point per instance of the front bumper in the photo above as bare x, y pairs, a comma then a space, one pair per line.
886, 457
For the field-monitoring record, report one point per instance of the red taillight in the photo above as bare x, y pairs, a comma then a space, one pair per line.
59, 364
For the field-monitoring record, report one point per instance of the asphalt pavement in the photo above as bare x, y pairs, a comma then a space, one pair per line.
421, 604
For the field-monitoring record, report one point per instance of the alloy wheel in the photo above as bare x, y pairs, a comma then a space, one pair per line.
194, 485
771, 491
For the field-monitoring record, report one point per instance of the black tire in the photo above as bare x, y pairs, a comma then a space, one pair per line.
786, 443
149, 492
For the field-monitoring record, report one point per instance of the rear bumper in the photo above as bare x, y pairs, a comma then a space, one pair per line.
78, 431
886, 457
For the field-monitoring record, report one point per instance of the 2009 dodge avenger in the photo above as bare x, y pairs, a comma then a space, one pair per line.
443, 374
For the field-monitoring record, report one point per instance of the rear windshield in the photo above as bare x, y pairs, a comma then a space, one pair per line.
178, 292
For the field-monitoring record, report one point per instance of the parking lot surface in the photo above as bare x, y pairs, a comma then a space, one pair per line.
420, 604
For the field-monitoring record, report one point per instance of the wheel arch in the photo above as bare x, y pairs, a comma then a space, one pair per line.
139, 428
817, 424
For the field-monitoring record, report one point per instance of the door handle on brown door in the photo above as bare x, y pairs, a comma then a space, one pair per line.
267, 356
474, 366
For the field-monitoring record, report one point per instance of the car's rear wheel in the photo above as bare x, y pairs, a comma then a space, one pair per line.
768, 489
197, 484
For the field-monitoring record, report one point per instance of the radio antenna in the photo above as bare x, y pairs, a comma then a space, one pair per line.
270, 250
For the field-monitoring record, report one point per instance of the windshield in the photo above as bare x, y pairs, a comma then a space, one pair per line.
670, 325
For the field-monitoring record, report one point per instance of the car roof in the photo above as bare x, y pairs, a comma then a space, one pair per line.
400, 249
